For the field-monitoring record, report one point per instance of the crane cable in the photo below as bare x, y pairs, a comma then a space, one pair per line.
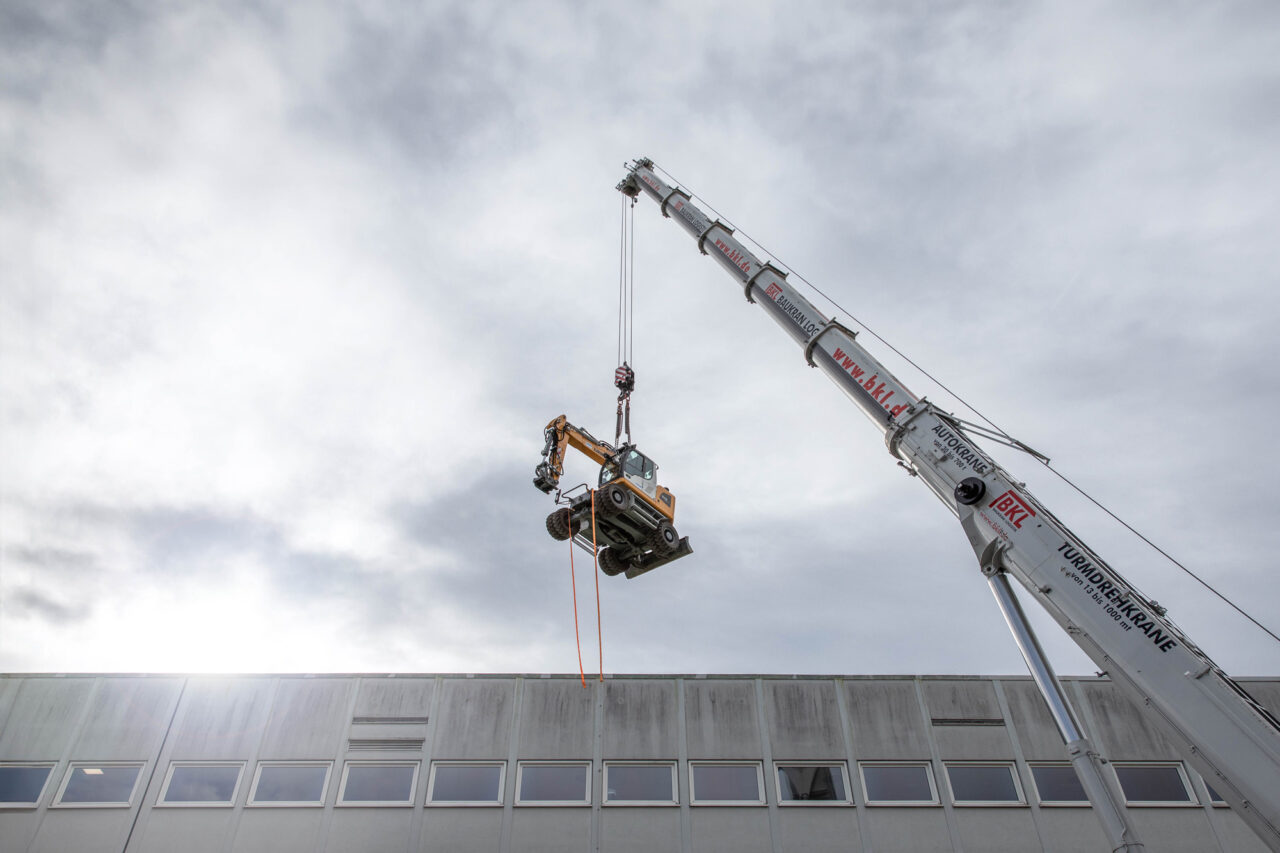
1043, 461
624, 377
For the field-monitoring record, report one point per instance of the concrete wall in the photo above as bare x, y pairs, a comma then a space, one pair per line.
844, 721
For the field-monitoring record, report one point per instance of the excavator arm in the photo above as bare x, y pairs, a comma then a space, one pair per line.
560, 435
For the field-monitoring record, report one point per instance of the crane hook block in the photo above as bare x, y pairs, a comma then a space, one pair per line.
625, 378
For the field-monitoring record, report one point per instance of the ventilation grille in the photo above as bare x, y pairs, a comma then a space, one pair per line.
385, 744
390, 721
967, 721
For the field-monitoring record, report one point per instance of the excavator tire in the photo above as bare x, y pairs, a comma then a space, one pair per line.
612, 500
609, 562
665, 540
558, 524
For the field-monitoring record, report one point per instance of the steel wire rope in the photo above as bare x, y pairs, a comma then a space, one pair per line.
971, 408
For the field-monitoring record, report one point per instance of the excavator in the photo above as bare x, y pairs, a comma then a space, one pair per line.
627, 521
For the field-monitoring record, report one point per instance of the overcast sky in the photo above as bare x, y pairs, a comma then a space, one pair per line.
288, 292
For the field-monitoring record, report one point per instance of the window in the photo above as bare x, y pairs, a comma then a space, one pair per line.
1058, 785
898, 784
200, 784
812, 784
1154, 784
726, 783
459, 784
102, 785
1214, 796
983, 784
549, 784
293, 784
628, 783
22, 784
383, 783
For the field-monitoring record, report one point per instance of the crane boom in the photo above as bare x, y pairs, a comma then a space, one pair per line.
1222, 731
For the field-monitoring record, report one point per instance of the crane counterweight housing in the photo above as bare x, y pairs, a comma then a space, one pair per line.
628, 521
1222, 731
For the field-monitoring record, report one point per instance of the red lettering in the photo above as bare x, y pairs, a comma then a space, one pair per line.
1013, 508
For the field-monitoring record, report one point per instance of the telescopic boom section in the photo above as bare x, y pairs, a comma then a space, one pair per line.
1222, 731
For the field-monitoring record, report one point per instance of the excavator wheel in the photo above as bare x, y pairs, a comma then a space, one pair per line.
613, 499
665, 540
609, 562
558, 524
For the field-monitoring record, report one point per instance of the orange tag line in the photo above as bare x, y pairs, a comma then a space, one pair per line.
573, 579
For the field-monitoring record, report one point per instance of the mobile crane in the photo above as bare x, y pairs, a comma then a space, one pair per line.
627, 521
1223, 732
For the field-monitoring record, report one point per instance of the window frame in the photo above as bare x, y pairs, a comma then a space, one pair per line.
928, 775
1056, 804
1007, 765
253, 802
50, 766
1192, 801
409, 802
502, 785
762, 797
73, 766
585, 801
675, 785
220, 804
1212, 797
844, 775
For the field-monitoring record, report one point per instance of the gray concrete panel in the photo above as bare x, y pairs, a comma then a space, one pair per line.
966, 699
803, 720
819, 829
390, 697
557, 719
550, 830
1032, 722
9, 686
128, 718
640, 719
220, 718
474, 718
83, 831
906, 830
272, 830
996, 830
1175, 830
17, 828
730, 830
1123, 731
1072, 830
308, 718
189, 830
369, 830
885, 720
43, 718
640, 830
721, 719
1266, 693
1236, 835
462, 830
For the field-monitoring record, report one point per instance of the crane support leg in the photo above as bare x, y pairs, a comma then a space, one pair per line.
1104, 794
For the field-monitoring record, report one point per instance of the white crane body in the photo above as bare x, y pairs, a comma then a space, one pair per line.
1225, 734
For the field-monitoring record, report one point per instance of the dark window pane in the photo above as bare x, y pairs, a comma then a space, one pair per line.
1214, 796
811, 783
897, 784
373, 783
456, 783
640, 783
202, 784
100, 785
282, 784
553, 783
1152, 784
1059, 785
22, 784
726, 783
982, 784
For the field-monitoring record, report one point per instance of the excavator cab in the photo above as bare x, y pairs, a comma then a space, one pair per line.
633, 466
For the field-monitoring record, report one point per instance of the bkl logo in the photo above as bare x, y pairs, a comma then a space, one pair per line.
773, 291
1013, 508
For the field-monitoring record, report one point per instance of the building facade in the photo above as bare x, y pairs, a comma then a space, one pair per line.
516, 763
